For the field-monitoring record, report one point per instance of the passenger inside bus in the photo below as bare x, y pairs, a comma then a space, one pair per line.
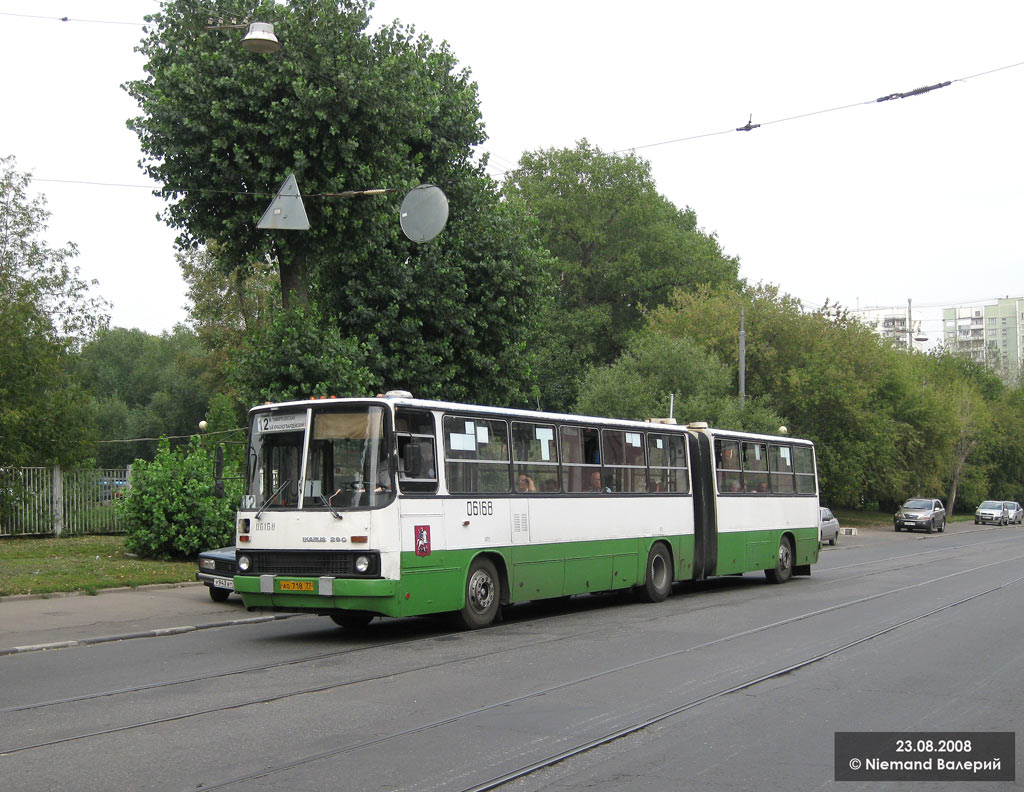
595, 483
525, 484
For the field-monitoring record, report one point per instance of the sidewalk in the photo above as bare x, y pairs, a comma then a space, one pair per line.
56, 621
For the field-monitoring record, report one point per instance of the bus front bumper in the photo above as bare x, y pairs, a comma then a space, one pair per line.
323, 594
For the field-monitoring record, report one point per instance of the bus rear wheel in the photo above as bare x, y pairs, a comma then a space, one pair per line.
352, 620
783, 570
482, 595
658, 580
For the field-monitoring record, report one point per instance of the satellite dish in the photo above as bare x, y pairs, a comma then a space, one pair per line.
424, 213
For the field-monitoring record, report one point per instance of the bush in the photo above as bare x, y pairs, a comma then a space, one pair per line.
170, 510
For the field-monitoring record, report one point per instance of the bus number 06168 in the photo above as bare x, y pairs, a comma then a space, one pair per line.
479, 508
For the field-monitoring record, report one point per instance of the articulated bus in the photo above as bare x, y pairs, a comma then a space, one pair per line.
396, 506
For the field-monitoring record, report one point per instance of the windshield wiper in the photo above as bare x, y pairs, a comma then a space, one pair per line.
273, 495
327, 503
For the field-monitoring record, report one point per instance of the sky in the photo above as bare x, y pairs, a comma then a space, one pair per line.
917, 198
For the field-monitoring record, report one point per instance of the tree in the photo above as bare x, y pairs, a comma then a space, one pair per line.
877, 414
227, 307
654, 367
618, 246
971, 416
293, 358
144, 386
46, 313
344, 111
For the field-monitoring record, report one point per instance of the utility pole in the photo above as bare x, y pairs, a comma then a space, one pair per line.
910, 329
743, 358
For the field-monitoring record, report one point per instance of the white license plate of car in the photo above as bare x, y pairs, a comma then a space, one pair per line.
224, 583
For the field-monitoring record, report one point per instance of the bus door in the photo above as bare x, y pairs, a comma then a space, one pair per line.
705, 526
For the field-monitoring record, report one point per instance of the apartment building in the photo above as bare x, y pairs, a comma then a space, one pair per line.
990, 333
891, 323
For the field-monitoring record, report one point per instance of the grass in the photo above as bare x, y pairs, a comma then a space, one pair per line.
879, 519
80, 563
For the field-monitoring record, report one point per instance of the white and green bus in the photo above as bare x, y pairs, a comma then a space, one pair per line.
397, 506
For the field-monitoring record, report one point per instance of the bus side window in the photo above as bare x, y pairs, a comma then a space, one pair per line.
755, 467
780, 461
535, 455
803, 462
580, 459
476, 455
417, 460
666, 455
727, 459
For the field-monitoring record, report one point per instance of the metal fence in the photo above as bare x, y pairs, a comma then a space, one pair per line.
48, 501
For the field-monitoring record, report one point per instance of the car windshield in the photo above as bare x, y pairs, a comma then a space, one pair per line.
917, 504
991, 505
1010, 505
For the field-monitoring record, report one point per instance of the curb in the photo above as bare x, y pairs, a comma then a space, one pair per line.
98, 592
143, 634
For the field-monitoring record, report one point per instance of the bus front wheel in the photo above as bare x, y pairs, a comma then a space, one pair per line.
352, 620
658, 580
783, 570
483, 587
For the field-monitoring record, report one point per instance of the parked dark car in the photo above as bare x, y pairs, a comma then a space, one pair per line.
991, 512
1014, 512
829, 530
217, 570
926, 513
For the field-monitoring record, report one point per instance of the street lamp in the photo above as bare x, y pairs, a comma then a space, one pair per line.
259, 37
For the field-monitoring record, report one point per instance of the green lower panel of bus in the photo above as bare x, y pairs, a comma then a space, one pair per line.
530, 572
752, 550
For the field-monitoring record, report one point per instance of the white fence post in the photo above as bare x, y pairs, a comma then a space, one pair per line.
58, 500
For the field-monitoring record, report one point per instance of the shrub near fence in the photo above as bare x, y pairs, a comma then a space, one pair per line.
37, 501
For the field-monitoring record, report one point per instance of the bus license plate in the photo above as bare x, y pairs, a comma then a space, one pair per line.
226, 583
297, 585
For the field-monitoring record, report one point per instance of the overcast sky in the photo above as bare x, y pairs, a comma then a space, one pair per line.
918, 198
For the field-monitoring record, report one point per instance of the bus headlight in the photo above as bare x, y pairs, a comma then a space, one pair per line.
244, 562
362, 564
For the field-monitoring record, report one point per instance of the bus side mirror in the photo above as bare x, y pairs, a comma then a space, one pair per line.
411, 460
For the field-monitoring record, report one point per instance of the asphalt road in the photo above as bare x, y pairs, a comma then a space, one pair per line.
730, 685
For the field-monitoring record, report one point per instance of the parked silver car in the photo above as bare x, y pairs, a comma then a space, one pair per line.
992, 513
927, 513
1014, 512
829, 530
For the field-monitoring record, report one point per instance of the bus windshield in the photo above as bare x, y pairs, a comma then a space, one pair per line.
275, 457
346, 461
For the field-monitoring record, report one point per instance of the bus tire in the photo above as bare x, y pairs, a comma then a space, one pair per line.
352, 620
483, 595
658, 578
783, 570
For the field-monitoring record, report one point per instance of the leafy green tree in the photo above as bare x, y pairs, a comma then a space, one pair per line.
877, 415
344, 111
145, 386
226, 307
618, 246
170, 511
655, 367
293, 358
46, 313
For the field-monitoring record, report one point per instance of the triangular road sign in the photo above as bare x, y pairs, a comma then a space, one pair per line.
286, 212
